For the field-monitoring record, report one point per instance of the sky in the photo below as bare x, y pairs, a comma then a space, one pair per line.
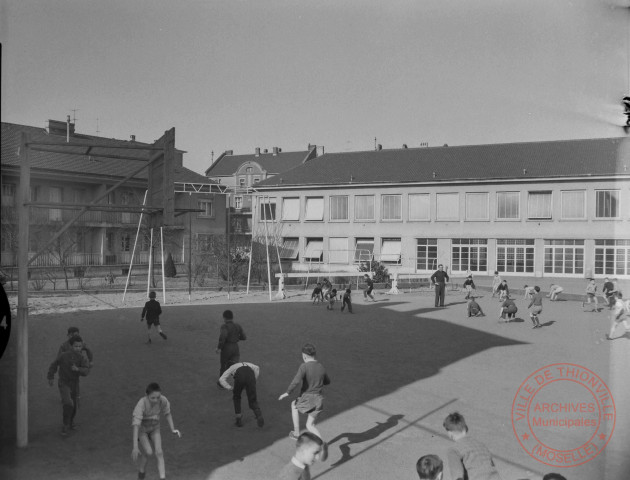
240, 74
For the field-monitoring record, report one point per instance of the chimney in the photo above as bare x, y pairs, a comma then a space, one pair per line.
379, 147
133, 138
257, 150
265, 151
404, 145
275, 151
229, 152
57, 127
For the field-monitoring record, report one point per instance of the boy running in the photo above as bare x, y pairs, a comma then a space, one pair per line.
66, 347
536, 307
71, 365
370, 286
312, 377
620, 313
231, 333
347, 300
152, 311
496, 281
331, 297
245, 376
591, 294
317, 295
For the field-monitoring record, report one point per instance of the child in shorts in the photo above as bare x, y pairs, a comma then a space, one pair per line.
347, 300
503, 290
535, 306
528, 292
554, 291
508, 310
331, 297
496, 281
470, 458
591, 295
620, 313
474, 309
146, 429
312, 377
469, 286
152, 311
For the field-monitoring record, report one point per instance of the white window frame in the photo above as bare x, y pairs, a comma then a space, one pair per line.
314, 245
391, 251
385, 210
616, 195
535, 209
566, 202
502, 199
367, 198
268, 202
360, 245
470, 207
444, 201
203, 204
314, 209
238, 202
424, 204
291, 209
334, 208
290, 249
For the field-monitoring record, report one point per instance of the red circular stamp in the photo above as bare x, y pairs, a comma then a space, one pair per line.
563, 415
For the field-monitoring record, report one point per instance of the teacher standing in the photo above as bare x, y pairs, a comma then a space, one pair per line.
439, 279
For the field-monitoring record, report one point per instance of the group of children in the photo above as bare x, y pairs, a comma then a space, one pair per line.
323, 292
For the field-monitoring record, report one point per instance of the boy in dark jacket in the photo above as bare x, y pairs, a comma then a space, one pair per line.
152, 311
71, 365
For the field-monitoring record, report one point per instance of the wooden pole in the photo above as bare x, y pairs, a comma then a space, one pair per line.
22, 309
227, 233
163, 277
135, 243
251, 248
189, 247
267, 247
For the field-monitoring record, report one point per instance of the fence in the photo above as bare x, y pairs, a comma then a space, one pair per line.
87, 259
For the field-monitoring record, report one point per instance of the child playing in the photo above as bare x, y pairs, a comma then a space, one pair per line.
347, 300
609, 292
528, 292
326, 287
85, 351
430, 467
331, 297
503, 290
229, 336
311, 376
245, 376
620, 313
469, 286
71, 365
536, 306
146, 429
554, 291
370, 286
152, 310
317, 296
591, 294
508, 310
470, 459
496, 281
309, 447
474, 309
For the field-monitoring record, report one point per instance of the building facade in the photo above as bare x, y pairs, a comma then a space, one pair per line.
528, 209
100, 240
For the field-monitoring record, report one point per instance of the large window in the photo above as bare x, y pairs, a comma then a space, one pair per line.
290, 249
419, 207
125, 242
539, 205
238, 202
564, 256
447, 206
515, 255
391, 250
338, 207
508, 205
477, 206
426, 254
573, 205
338, 250
314, 250
267, 209
8, 194
364, 250
392, 207
291, 209
469, 254
314, 209
55, 196
206, 208
364, 207
612, 257
607, 204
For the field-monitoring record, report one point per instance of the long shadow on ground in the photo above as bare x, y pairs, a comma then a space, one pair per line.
368, 354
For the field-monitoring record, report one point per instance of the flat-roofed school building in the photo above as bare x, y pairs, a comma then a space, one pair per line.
558, 208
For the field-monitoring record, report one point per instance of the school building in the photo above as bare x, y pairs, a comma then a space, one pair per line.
559, 208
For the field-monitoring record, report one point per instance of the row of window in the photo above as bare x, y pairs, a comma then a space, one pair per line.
612, 257
539, 206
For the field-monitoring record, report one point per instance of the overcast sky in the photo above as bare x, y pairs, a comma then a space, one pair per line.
235, 75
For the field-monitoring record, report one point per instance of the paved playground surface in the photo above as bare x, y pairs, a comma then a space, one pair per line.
398, 367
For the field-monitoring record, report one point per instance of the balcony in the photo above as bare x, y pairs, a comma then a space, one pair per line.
9, 259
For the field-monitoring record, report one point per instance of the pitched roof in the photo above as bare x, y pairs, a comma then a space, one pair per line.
79, 163
514, 161
227, 165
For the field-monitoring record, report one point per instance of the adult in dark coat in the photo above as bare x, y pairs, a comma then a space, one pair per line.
439, 279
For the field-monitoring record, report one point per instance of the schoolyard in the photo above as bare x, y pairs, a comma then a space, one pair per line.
398, 367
